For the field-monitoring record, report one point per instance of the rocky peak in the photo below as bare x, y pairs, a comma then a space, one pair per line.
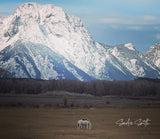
153, 54
36, 12
129, 46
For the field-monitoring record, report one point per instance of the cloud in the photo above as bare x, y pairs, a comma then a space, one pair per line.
157, 28
137, 28
158, 36
114, 26
119, 22
131, 20
127, 27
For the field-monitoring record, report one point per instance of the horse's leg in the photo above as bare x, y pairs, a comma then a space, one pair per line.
90, 125
80, 126
86, 124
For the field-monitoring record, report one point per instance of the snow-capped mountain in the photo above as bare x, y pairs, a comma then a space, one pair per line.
42, 41
153, 54
134, 61
41, 63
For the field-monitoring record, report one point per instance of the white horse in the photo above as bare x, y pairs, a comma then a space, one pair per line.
84, 123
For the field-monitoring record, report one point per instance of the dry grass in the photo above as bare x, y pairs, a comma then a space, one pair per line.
54, 123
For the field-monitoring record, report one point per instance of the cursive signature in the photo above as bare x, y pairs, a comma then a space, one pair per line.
129, 122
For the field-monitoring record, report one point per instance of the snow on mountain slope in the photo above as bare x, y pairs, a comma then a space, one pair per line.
51, 26
38, 61
47, 29
129, 61
134, 61
153, 54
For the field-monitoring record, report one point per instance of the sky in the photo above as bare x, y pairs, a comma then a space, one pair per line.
111, 22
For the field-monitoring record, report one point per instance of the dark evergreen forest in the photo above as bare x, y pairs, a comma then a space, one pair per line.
137, 87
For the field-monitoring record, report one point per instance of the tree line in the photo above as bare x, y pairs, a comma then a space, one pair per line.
137, 87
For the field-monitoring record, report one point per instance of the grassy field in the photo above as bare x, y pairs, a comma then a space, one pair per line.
61, 123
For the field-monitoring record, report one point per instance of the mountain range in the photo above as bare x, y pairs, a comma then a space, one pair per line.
44, 42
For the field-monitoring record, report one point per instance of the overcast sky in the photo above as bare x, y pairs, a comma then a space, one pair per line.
110, 21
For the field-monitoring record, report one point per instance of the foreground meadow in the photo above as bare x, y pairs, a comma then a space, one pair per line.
61, 123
